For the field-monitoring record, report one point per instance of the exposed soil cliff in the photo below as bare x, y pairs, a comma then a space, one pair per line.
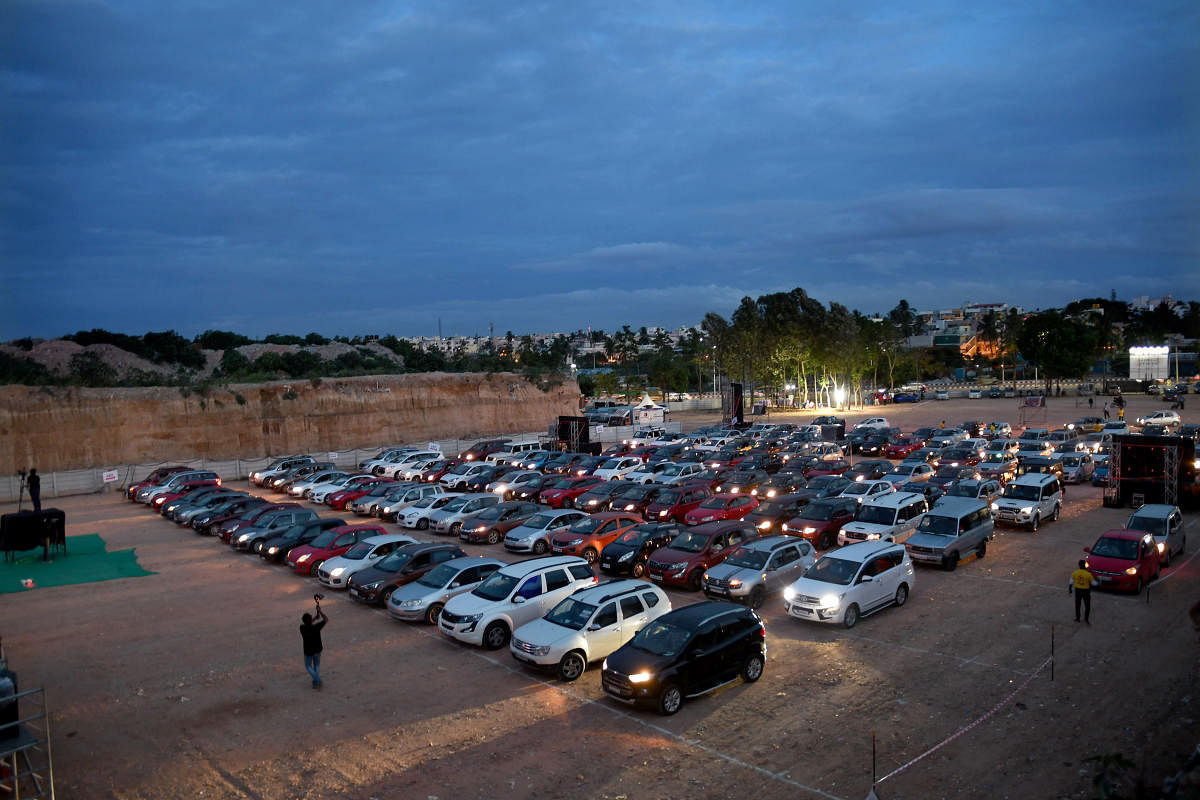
59, 429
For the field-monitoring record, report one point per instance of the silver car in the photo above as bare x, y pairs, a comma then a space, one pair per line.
424, 598
758, 568
1166, 523
954, 528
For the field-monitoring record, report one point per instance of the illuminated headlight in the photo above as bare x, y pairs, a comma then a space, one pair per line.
370, 587
872, 537
272, 550
831, 601
859, 477
679, 566
626, 557
501, 488
735, 583
662, 513
337, 573
1161, 547
715, 464
995, 506
735, 490
630, 506
592, 502
1027, 510
303, 558
244, 537
789, 594
770, 492
1131, 571
764, 525
640, 677
416, 601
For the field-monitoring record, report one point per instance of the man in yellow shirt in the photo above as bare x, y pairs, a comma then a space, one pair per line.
1082, 582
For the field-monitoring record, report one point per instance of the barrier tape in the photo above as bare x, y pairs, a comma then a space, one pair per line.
959, 733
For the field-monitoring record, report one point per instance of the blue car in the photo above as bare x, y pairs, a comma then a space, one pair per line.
1100, 475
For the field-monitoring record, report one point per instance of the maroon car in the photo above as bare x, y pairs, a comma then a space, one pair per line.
563, 492
340, 499
721, 507
820, 521
159, 475
674, 502
682, 563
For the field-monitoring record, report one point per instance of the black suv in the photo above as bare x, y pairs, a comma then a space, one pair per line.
688, 652
628, 553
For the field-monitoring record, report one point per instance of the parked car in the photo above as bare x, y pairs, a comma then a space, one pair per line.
336, 572
902, 446
721, 507
986, 490
589, 535
821, 520
1168, 418
947, 475
450, 518
629, 552
308, 558
772, 512
587, 626
741, 481
492, 524
954, 528
932, 491
758, 568
867, 490
1078, 467
998, 465
635, 498
686, 653
406, 563
1028, 499
417, 515
674, 503
250, 517
852, 582
276, 548
278, 467
209, 522
513, 595
565, 491
156, 477
682, 562
398, 500
250, 538
891, 517
1124, 559
423, 598
616, 469
533, 535
1166, 524
599, 496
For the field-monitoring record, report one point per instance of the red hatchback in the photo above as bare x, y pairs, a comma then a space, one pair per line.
334, 542
820, 521
721, 507
339, 500
674, 502
564, 491
1124, 559
903, 446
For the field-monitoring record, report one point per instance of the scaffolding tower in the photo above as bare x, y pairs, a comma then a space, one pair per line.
26, 763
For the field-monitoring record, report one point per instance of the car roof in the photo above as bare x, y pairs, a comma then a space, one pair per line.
953, 505
612, 589
1155, 510
894, 499
463, 562
523, 568
1035, 477
1124, 533
861, 551
770, 542
697, 614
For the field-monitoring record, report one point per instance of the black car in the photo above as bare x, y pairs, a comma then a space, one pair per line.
1047, 464
528, 492
628, 553
599, 497
685, 653
825, 486
875, 444
276, 548
479, 481
208, 522
562, 462
743, 481
931, 491
870, 470
375, 584
781, 483
207, 500
947, 475
772, 512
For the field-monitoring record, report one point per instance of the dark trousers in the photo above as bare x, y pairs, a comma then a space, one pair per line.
1083, 596
35, 494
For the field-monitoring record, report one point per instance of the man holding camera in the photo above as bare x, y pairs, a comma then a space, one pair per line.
310, 632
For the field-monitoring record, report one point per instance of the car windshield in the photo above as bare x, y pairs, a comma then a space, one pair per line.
774, 508
661, 638
670, 470
820, 482
571, 613
1071, 461
461, 469
818, 511
325, 539
1018, 491
877, 515
586, 525
636, 492
1147, 524
491, 513
359, 551
667, 498
612, 463
565, 483
833, 570
964, 489
456, 504
750, 559
426, 502
438, 577
540, 521
497, 587
942, 526
393, 561
1125, 549
997, 458
689, 542
716, 501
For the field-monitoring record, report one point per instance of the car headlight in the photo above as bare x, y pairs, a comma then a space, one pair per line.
678, 565
272, 550
640, 677
625, 557
831, 601
413, 603
734, 583
764, 525
1161, 547
995, 506
370, 587
336, 572
872, 537
471, 619
789, 594
575, 542
243, 537
1027, 510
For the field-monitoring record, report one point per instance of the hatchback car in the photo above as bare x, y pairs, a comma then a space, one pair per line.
492, 524
852, 582
588, 626
565, 491
629, 552
450, 518
758, 568
374, 584
308, 558
721, 507
687, 653
336, 572
588, 536
1124, 559
533, 535
673, 503
1078, 467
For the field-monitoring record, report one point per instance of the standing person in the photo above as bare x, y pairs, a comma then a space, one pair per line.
1106, 412
34, 482
1121, 413
1082, 582
1091, 402
310, 632
942, 425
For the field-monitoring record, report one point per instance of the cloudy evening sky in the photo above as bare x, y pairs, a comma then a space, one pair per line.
373, 167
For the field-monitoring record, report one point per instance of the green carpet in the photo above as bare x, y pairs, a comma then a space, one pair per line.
86, 561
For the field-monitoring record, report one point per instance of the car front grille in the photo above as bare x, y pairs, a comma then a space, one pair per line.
807, 599
451, 619
925, 551
718, 583
323, 574
658, 566
524, 647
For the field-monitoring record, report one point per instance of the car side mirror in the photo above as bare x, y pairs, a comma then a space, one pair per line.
866, 579
593, 628
518, 599
455, 585
1087, 549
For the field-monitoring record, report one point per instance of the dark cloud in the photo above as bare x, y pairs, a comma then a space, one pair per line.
541, 166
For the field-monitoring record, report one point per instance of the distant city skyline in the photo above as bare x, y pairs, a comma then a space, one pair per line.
391, 168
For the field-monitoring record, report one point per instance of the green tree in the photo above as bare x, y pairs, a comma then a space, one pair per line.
1058, 346
220, 340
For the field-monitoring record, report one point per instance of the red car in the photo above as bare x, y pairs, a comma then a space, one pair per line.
903, 446
306, 558
820, 521
674, 502
564, 491
644, 452
683, 562
721, 507
339, 499
159, 475
1124, 559
353, 484
439, 468
228, 528
835, 467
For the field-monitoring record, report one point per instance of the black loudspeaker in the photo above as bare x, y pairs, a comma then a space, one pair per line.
737, 405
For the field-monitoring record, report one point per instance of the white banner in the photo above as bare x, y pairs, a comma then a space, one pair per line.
111, 476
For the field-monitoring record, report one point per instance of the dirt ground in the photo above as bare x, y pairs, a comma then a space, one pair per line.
189, 683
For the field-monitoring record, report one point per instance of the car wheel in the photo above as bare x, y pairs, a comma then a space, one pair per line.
432, 614
982, 550
573, 665
495, 636
1057, 511
1033, 526
950, 562
316, 565
669, 700
493, 537
901, 594
638, 569
695, 578
752, 670
757, 596
825, 540
422, 524
385, 595
851, 615
590, 555
540, 547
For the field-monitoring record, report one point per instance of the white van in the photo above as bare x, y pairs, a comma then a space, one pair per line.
890, 517
513, 448
1028, 499
953, 528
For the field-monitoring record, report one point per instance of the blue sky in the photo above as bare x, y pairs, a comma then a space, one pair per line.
373, 167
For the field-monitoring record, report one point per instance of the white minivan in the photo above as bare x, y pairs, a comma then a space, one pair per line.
1028, 499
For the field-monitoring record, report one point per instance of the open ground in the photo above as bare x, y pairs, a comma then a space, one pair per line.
189, 683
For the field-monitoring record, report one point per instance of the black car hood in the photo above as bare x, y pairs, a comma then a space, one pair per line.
629, 660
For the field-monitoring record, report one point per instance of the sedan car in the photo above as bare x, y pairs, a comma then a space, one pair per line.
902, 446
1124, 559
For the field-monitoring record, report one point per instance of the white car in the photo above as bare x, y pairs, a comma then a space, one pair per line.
648, 473
1005, 446
873, 423
588, 626
511, 597
826, 451
395, 468
644, 436
999, 429
616, 469
852, 582
946, 437
1169, 418
318, 493
449, 518
298, 488
417, 515
1166, 524
335, 572
456, 479
387, 458
673, 473
1115, 427
908, 471
401, 499
867, 490
1028, 499
533, 535
424, 598
941, 394
974, 393
513, 483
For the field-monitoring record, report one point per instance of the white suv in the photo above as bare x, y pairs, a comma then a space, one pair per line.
588, 625
851, 582
511, 597
1028, 499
